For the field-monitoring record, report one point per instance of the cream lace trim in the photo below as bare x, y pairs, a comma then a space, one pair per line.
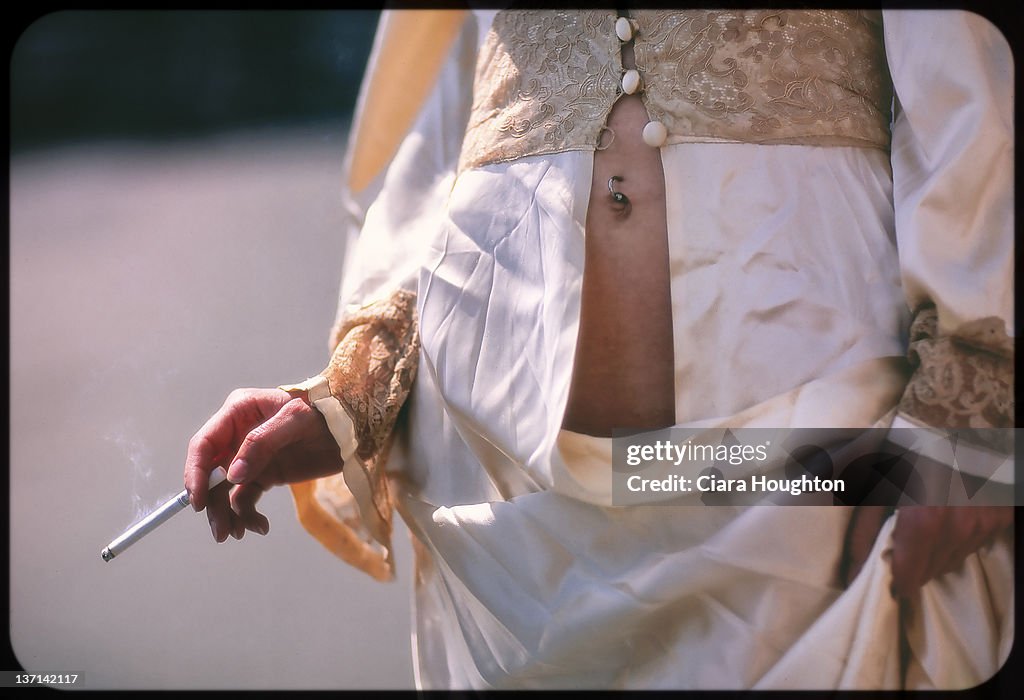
370, 374
373, 367
962, 381
546, 80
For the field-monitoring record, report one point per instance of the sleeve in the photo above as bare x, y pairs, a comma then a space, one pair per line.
952, 165
400, 165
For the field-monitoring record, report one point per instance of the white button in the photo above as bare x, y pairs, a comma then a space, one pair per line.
655, 134
623, 29
630, 81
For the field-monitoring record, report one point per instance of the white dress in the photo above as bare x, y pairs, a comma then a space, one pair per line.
794, 270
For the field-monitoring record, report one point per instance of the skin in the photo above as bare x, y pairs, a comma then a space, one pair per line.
622, 377
624, 347
928, 541
270, 439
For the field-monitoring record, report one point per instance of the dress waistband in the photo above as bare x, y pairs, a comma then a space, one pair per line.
546, 80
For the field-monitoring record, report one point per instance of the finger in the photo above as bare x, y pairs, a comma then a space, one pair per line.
964, 530
201, 460
243, 503
957, 528
218, 512
915, 536
237, 527
295, 421
997, 520
863, 530
206, 448
221, 436
964, 533
971, 529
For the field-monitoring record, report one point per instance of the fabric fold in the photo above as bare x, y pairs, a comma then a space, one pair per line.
794, 271
360, 394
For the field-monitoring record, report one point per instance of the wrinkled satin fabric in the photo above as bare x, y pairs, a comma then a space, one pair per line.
794, 269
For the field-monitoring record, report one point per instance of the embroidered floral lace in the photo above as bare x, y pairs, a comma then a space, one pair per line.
546, 80
373, 367
370, 375
961, 381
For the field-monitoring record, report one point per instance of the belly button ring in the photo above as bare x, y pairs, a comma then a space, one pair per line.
620, 200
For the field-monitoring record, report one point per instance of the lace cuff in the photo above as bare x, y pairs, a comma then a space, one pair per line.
961, 381
360, 394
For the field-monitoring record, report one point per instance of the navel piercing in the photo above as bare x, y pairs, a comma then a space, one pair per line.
619, 198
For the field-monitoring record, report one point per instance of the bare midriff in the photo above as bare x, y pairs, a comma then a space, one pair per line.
623, 375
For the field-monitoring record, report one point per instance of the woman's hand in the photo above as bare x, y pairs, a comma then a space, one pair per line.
928, 541
264, 438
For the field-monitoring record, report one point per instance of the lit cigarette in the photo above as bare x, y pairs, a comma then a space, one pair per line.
161, 515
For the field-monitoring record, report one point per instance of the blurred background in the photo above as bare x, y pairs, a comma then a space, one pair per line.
175, 233
172, 74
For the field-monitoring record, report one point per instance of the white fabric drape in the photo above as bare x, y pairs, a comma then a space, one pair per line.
791, 272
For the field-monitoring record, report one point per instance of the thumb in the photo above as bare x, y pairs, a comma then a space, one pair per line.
294, 422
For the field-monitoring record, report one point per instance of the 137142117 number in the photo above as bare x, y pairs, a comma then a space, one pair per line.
45, 678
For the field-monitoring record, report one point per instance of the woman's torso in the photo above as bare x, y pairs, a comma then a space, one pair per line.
623, 370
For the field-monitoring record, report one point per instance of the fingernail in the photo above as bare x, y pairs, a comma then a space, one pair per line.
218, 534
236, 472
263, 530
